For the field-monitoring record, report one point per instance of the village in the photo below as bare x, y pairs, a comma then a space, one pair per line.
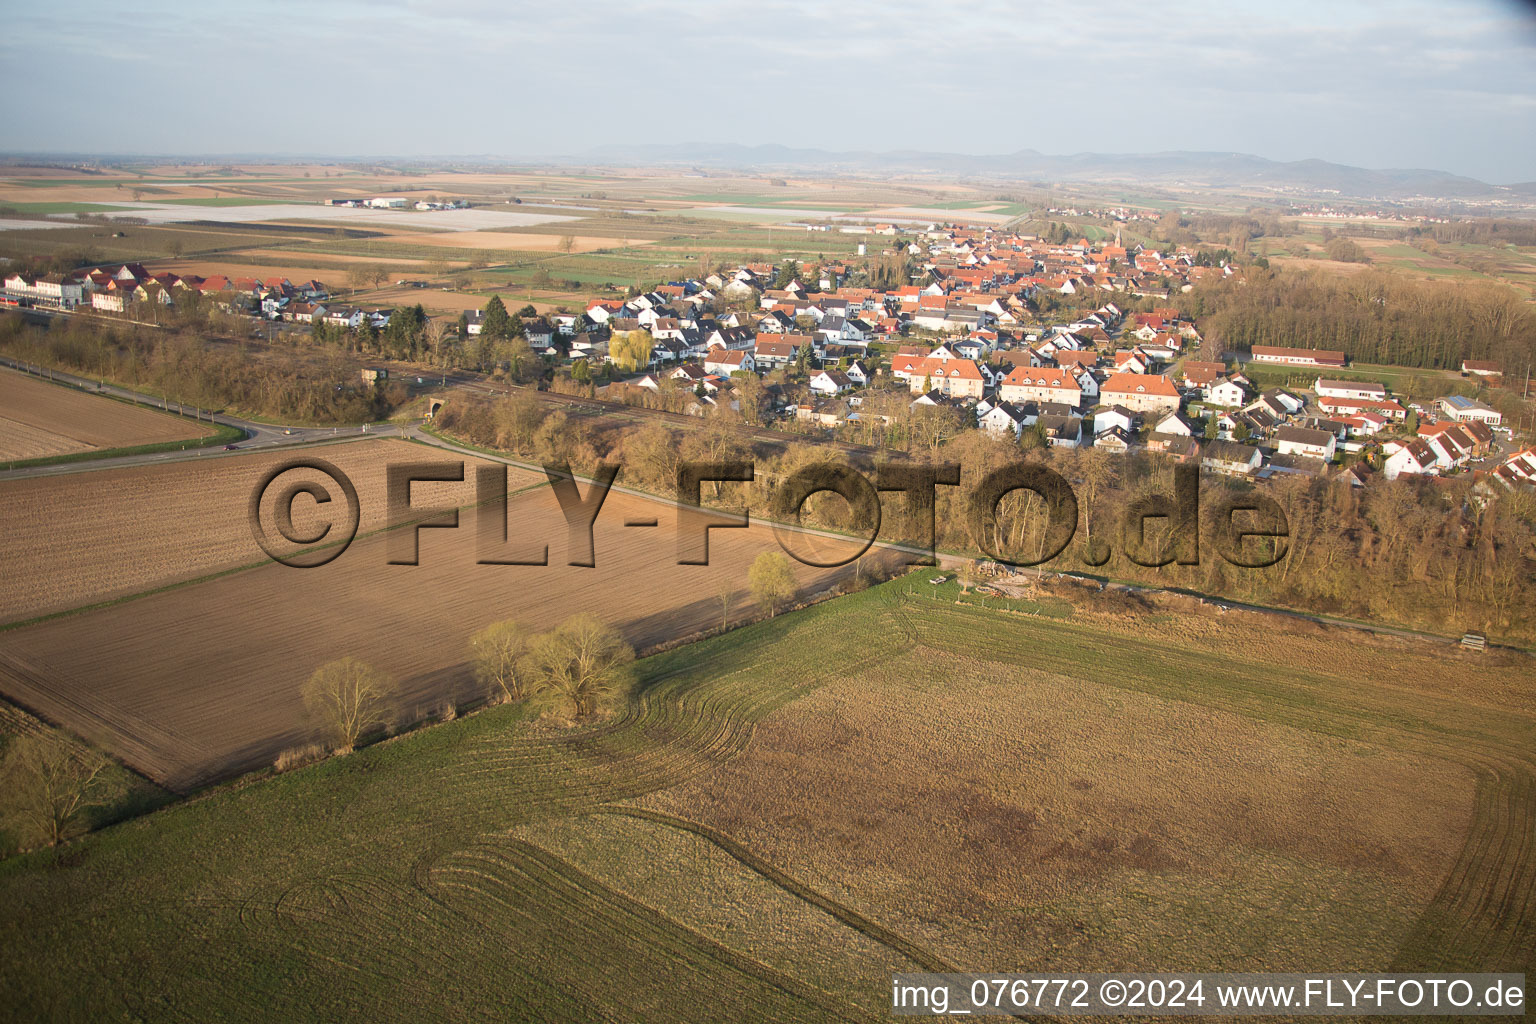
973, 341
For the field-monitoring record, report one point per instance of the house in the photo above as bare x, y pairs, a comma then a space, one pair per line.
1041, 384
1113, 440
1146, 393
1061, 431
1173, 423
725, 363
821, 412
1367, 424
1005, 418
1230, 458
830, 382
858, 373
1297, 356
1175, 446
773, 351
1226, 393
1314, 444
1415, 458
1114, 418
1282, 402
1481, 368
1462, 410
957, 378
1346, 407
1198, 374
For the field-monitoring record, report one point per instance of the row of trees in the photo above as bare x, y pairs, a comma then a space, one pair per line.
578, 668
280, 384
1432, 554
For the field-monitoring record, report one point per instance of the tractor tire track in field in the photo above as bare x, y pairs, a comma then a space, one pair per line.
575, 923
1484, 915
923, 958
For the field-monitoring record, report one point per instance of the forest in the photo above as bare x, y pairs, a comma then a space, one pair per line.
1372, 317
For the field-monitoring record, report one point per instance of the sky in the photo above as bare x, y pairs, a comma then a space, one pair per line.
1448, 85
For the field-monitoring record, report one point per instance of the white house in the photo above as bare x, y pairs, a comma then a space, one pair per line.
1314, 444
726, 362
1113, 417
1004, 418
830, 382
1226, 393
1173, 423
1414, 458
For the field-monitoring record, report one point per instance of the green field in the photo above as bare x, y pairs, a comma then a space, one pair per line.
676, 862
56, 208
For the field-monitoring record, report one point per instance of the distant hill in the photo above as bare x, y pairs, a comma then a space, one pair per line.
1230, 170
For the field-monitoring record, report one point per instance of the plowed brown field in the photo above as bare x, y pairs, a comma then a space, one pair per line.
93, 536
39, 419
202, 682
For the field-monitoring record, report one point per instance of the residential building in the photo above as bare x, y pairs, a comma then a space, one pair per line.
1314, 444
1144, 393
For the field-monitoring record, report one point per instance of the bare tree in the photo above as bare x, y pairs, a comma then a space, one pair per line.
581, 664
727, 594
501, 655
348, 697
436, 330
49, 782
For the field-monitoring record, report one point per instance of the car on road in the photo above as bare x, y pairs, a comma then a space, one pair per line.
289, 430
231, 447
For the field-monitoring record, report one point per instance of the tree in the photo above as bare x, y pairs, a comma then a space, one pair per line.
581, 665
348, 697
726, 594
378, 274
772, 581
567, 243
49, 782
500, 653
631, 350
496, 325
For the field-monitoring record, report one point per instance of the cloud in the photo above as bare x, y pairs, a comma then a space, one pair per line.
1404, 82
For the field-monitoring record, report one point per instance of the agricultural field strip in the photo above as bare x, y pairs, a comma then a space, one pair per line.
527, 794
599, 754
1493, 875
371, 525
80, 420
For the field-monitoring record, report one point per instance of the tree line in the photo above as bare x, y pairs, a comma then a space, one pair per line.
272, 383
1427, 553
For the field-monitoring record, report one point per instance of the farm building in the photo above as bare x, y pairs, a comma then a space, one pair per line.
1296, 356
